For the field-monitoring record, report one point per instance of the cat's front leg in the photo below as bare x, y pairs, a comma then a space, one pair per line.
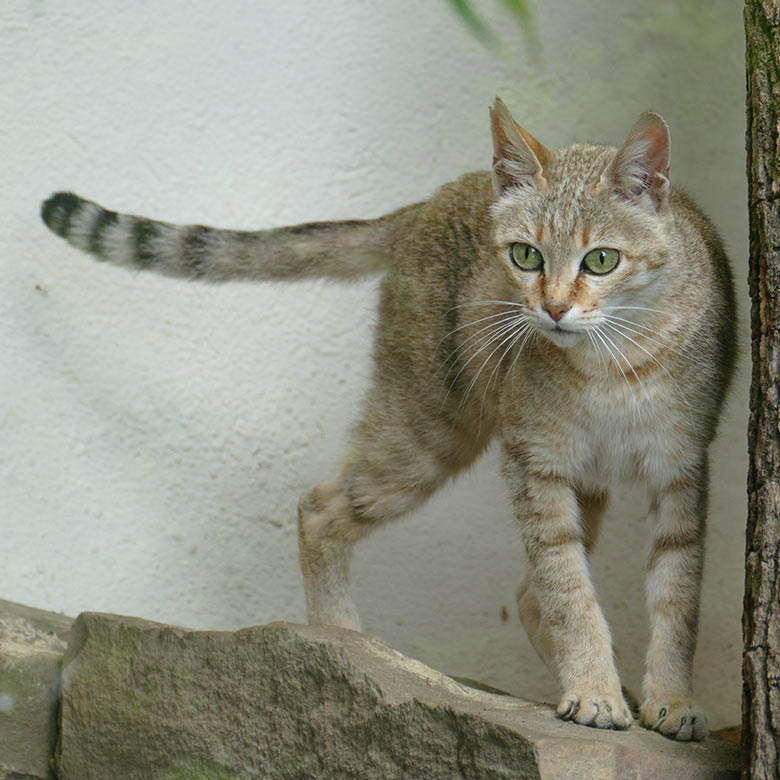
673, 586
579, 639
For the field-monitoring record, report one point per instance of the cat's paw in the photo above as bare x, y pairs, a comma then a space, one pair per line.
679, 719
592, 708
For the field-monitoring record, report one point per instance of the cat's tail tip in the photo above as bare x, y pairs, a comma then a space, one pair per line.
57, 211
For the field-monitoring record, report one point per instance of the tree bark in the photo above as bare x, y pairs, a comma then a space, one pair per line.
761, 617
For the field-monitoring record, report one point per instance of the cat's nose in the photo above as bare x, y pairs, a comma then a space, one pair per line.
556, 310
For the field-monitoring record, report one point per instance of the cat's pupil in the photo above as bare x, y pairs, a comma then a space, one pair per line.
601, 261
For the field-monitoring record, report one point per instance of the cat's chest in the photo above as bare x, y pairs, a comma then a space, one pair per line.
610, 432
632, 432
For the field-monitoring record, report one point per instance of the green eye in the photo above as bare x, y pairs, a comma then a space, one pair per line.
601, 261
526, 257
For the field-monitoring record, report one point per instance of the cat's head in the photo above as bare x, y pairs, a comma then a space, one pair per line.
582, 232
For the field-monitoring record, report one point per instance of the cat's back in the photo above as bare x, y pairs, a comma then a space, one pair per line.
711, 286
441, 248
703, 242
450, 226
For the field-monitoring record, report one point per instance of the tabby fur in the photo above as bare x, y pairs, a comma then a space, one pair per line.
588, 379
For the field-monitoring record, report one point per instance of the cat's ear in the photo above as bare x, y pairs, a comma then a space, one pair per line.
518, 158
640, 170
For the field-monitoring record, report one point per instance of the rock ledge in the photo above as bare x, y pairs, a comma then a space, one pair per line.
144, 700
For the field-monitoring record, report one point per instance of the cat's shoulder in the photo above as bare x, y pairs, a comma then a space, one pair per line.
684, 207
690, 218
474, 188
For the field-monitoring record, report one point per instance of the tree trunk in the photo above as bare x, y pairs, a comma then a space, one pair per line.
761, 617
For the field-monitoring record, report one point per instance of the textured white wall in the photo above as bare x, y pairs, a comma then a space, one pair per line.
156, 435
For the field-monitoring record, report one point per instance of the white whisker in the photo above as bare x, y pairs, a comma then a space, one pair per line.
461, 347
629, 364
477, 321
623, 330
690, 357
495, 332
652, 357
597, 333
500, 335
505, 318
516, 304
513, 339
606, 341
630, 325
531, 334
516, 336
596, 349
636, 308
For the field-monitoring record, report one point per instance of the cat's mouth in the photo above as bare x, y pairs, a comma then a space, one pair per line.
562, 337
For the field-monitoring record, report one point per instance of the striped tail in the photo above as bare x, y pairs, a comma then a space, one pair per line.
345, 250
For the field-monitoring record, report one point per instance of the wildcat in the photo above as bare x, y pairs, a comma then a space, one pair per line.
572, 303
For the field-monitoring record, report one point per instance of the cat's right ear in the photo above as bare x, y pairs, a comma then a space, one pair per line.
518, 158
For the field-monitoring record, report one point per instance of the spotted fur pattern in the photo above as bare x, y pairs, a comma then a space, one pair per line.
589, 379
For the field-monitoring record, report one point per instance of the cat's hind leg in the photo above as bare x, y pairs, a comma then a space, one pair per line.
327, 530
331, 518
395, 462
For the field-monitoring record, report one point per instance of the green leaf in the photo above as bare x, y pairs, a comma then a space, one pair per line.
466, 12
518, 8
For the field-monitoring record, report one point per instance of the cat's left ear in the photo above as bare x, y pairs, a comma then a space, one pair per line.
518, 158
640, 170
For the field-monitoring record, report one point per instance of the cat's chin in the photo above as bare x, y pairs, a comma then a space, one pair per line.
561, 337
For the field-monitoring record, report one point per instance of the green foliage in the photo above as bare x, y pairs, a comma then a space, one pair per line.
518, 8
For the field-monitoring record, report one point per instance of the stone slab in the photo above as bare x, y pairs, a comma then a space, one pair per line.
32, 643
144, 701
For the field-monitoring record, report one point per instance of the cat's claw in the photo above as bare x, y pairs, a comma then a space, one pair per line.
679, 719
602, 712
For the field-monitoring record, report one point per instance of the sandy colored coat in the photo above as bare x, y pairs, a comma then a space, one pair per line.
493, 322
